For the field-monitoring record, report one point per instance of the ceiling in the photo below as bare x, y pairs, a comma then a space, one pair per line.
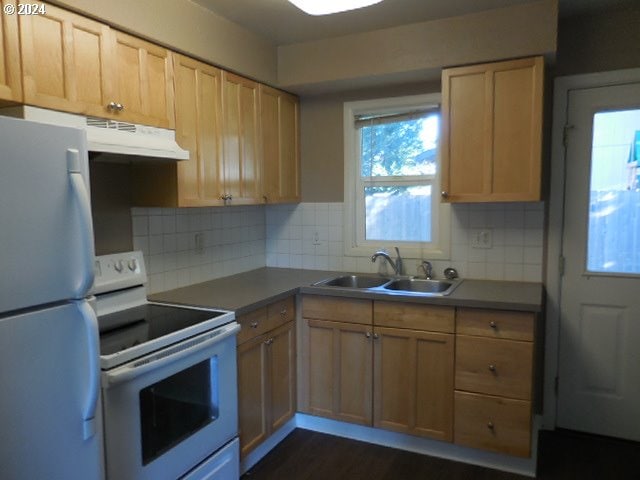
283, 24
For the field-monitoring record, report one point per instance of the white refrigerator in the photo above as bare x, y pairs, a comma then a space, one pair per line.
50, 421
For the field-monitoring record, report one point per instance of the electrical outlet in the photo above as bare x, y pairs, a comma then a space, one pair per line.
199, 241
481, 238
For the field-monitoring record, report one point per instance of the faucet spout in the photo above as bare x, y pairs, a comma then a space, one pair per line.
396, 265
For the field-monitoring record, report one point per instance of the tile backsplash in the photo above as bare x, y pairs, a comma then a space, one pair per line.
183, 246
310, 236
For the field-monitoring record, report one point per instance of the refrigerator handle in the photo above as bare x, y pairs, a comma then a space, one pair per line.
93, 351
79, 188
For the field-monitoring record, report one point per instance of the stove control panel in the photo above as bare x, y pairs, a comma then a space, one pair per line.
117, 271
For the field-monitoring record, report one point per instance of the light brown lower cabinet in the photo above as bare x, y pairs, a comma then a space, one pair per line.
340, 370
494, 380
413, 382
360, 371
266, 372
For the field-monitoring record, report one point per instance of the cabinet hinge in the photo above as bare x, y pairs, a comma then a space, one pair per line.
565, 134
561, 265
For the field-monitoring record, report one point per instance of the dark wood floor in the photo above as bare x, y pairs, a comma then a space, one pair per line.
307, 455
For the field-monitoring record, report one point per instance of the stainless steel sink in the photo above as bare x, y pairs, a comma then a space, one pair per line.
354, 281
422, 286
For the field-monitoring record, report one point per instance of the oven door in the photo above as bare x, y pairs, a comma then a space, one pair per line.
166, 412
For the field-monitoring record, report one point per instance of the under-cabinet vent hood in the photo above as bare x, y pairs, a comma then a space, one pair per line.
110, 136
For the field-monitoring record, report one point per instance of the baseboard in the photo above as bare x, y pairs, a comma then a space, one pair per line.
265, 447
424, 446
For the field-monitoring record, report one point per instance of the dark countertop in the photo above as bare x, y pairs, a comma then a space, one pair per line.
250, 290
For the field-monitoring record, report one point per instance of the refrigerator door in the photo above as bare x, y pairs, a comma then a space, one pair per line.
49, 401
46, 232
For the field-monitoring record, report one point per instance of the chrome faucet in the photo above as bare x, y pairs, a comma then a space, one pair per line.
397, 265
428, 269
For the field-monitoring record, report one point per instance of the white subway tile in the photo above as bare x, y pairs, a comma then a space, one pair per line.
155, 225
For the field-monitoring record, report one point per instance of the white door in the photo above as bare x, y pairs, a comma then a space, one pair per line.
599, 356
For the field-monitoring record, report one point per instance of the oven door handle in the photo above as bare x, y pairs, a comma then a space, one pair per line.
171, 354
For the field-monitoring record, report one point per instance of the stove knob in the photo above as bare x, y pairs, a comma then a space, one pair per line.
118, 266
132, 264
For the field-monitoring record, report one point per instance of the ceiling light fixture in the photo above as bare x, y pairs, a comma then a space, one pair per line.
325, 7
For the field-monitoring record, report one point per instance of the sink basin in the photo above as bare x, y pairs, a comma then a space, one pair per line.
354, 281
417, 285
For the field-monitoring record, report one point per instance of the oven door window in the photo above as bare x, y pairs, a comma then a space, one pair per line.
178, 406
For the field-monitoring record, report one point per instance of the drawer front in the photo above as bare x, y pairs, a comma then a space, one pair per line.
493, 423
432, 318
281, 312
494, 367
496, 323
252, 324
337, 309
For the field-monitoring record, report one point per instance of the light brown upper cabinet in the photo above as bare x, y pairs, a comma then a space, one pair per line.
240, 140
195, 182
279, 113
492, 131
144, 81
10, 81
78, 65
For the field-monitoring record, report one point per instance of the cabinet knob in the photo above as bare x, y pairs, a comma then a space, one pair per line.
492, 368
444, 194
367, 334
493, 325
119, 107
490, 426
253, 324
112, 106
268, 342
283, 312
376, 336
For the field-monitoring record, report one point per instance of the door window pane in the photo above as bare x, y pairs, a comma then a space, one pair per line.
614, 209
398, 213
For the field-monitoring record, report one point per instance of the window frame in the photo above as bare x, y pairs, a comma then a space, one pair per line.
354, 219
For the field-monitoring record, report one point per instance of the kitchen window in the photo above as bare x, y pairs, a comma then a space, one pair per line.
392, 177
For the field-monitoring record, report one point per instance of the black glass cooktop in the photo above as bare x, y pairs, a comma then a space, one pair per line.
146, 323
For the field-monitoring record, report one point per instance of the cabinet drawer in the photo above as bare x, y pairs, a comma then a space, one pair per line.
253, 324
432, 318
495, 367
281, 312
337, 309
496, 323
493, 423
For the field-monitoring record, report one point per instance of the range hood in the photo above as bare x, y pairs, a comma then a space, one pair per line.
112, 137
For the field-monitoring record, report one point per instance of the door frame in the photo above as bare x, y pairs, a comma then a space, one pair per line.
555, 230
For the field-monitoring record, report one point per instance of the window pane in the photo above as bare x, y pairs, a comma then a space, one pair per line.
614, 210
400, 148
398, 213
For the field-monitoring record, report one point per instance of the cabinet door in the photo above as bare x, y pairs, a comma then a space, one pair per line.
241, 140
282, 375
340, 371
198, 109
10, 80
280, 147
143, 75
413, 384
65, 62
253, 393
492, 131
